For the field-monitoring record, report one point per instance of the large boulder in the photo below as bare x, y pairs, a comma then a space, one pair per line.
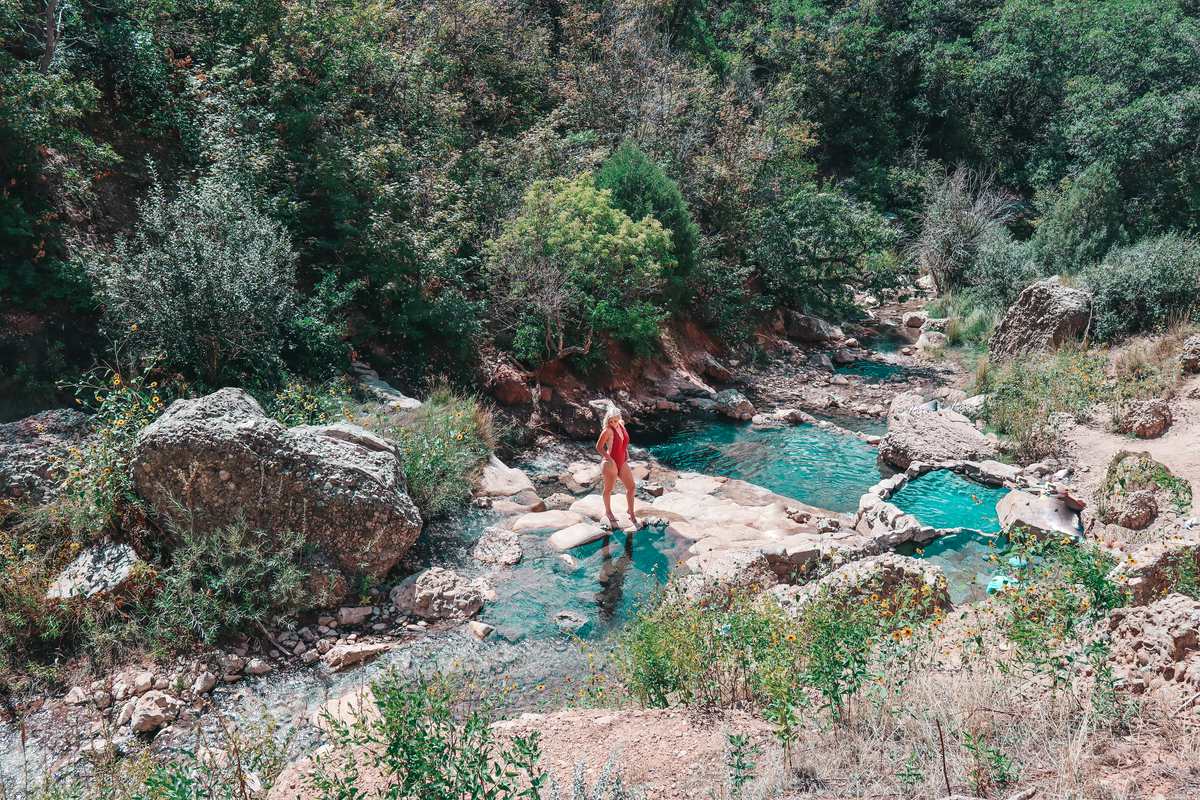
1155, 649
1189, 357
733, 404
924, 434
31, 449
1155, 569
500, 480
1039, 514
1046, 315
219, 459
814, 330
1145, 419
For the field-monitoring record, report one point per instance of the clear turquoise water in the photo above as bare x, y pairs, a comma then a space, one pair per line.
869, 370
871, 425
603, 582
970, 560
945, 499
806, 462
885, 343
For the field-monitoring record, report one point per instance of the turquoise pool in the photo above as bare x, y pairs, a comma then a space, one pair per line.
598, 586
870, 370
809, 463
969, 559
944, 499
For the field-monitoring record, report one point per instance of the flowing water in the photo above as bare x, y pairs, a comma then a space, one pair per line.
810, 463
969, 559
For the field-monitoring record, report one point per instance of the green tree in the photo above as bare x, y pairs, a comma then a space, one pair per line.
812, 246
572, 265
1145, 286
641, 189
1080, 222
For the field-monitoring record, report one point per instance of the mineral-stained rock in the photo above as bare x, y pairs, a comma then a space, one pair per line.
1045, 315
438, 594
30, 449
1145, 419
498, 546
102, 568
339, 486
1134, 510
927, 435
1041, 515
1156, 648
733, 404
914, 319
931, 340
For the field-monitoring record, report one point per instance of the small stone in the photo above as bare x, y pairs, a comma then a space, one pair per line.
152, 711
102, 699
257, 666
143, 682
205, 682
310, 656
77, 696
353, 615
480, 630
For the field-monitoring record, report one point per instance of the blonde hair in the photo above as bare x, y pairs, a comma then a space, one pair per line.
612, 413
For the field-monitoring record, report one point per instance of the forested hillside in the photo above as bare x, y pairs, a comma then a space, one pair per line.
245, 190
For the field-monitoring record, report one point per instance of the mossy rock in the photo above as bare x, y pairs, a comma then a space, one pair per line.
1131, 472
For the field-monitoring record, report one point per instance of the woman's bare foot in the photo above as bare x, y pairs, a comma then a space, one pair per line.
612, 521
637, 525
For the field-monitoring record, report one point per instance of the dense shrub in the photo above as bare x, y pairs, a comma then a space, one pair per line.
964, 212
442, 446
812, 247
224, 581
300, 402
1080, 222
207, 283
641, 189
426, 741
1145, 286
571, 267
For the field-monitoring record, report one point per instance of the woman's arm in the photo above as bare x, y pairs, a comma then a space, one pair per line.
603, 443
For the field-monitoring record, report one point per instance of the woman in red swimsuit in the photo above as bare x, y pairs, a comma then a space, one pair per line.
613, 446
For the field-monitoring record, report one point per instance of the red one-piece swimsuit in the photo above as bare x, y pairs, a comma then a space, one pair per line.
619, 449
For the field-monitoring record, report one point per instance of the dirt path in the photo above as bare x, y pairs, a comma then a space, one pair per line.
1179, 448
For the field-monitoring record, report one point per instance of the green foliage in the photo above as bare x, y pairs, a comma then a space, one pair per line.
610, 785
990, 768
1080, 221
1024, 394
572, 266
300, 402
1145, 286
223, 581
641, 189
206, 283
740, 754
969, 322
97, 484
442, 446
427, 745
812, 246
1063, 586
748, 650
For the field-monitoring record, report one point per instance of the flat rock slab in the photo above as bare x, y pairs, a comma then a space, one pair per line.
577, 535
546, 521
501, 480
100, 569
593, 506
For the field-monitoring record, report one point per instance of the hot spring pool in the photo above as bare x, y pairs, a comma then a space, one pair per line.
814, 465
945, 499
599, 586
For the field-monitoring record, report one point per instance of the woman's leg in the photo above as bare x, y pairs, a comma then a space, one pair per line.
630, 486
609, 471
